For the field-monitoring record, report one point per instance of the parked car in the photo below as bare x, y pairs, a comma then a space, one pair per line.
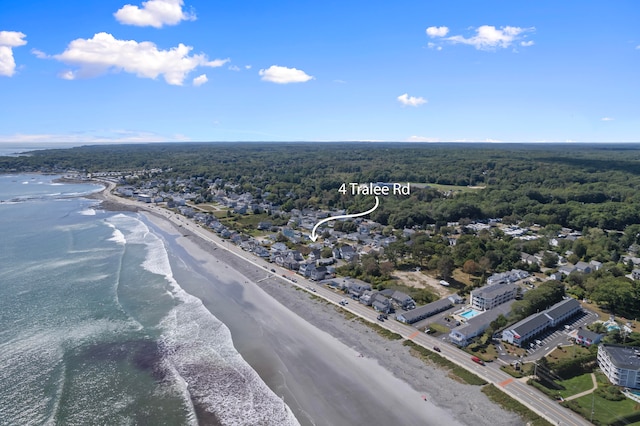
381, 318
437, 349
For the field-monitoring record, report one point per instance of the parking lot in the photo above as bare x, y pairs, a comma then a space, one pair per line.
550, 339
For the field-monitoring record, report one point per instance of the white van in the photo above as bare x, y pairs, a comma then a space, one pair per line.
444, 283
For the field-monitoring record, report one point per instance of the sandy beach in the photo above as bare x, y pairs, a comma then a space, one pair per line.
329, 370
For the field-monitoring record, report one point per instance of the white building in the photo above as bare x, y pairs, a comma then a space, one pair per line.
488, 297
620, 364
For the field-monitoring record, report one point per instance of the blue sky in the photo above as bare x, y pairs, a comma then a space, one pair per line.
234, 70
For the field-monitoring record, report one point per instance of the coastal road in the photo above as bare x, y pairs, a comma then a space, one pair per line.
517, 389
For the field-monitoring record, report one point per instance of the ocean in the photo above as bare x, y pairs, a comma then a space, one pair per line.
95, 329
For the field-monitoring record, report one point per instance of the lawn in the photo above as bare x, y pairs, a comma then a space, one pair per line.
575, 385
607, 412
445, 188
567, 352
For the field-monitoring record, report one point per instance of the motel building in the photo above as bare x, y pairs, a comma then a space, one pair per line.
621, 365
534, 325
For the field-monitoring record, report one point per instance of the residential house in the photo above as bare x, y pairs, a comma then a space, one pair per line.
403, 300
367, 297
635, 274
381, 303
357, 287
529, 259
587, 337
318, 273
621, 365
347, 253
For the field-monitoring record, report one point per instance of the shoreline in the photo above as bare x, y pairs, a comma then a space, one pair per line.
341, 339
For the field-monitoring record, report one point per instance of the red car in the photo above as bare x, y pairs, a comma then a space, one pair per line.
477, 360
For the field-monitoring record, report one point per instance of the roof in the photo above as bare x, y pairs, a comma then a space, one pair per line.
624, 357
588, 334
484, 319
562, 308
493, 290
435, 307
529, 324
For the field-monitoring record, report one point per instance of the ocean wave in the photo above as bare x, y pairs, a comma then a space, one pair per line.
199, 353
88, 212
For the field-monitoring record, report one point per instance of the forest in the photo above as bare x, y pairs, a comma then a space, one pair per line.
573, 185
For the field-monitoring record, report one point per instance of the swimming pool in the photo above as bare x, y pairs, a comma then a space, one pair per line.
469, 313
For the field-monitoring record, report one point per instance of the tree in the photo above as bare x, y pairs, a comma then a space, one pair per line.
550, 259
471, 267
445, 267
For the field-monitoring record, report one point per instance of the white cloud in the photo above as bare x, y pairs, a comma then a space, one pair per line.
489, 37
607, 119
431, 45
200, 80
103, 52
39, 54
9, 40
234, 68
67, 75
411, 100
527, 43
154, 13
437, 31
284, 75
247, 67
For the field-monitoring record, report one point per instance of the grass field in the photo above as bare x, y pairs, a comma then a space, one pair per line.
445, 188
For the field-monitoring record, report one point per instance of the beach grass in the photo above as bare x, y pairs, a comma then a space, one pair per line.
456, 371
380, 330
508, 403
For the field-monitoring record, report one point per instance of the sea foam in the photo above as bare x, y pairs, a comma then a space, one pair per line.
199, 353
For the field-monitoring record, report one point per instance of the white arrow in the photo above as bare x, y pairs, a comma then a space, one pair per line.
314, 237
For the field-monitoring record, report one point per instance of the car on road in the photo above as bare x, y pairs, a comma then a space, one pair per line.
381, 318
437, 349
273, 270
477, 360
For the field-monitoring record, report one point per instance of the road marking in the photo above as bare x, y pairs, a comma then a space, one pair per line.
506, 382
414, 335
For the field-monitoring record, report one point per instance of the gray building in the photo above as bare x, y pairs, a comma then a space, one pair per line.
426, 311
490, 296
535, 324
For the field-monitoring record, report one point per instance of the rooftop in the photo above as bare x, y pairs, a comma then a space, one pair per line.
625, 357
493, 290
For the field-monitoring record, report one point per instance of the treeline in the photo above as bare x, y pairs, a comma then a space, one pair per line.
571, 185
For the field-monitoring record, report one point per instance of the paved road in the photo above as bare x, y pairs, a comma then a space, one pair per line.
520, 391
